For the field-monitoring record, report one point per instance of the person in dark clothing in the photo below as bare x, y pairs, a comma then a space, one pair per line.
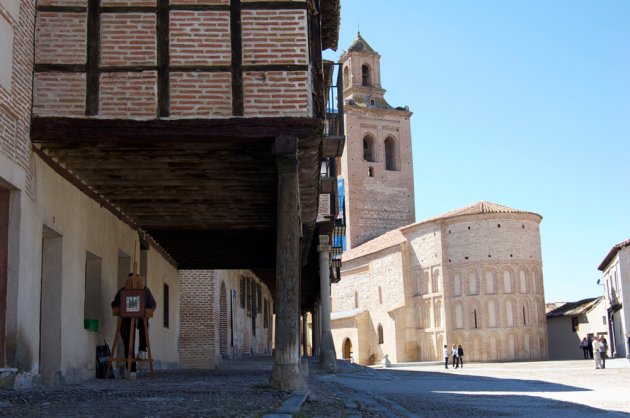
590, 348
125, 323
460, 355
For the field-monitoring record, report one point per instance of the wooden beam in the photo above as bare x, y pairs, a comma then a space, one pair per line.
163, 58
238, 108
93, 58
154, 132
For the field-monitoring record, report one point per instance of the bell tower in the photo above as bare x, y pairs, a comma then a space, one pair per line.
377, 166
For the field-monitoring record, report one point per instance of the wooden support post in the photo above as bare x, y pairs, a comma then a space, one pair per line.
285, 373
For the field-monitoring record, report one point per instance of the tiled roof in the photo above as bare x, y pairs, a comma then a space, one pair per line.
360, 45
611, 254
475, 209
396, 236
575, 308
388, 239
553, 305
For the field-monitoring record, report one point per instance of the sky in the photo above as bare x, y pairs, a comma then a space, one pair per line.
524, 103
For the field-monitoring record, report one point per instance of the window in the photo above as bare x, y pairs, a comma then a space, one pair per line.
242, 292
370, 172
248, 296
380, 334
266, 314
575, 324
356, 300
368, 149
346, 76
475, 317
391, 160
165, 308
92, 301
258, 298
380, 295
365, 75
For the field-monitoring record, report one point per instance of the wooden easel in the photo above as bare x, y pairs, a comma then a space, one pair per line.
135, 283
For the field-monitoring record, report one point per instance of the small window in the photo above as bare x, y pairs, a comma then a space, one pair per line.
380, 295
365, 75
368, 149
475, 317
346, 76
380, 334
165, 307
370, 171
604, 320
391, 160
356, 300
575, 324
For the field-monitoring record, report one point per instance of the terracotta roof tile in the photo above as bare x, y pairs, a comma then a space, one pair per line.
575, 308
611, 254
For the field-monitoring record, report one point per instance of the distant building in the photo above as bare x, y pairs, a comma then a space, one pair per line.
376, 165
569, 323
472, 276
616, 273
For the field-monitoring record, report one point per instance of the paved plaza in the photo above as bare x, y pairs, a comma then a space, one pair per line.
555, 389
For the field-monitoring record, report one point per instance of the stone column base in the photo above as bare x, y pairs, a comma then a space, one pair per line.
327, 354
287, 377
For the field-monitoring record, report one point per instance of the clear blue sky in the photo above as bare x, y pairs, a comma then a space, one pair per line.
524, 103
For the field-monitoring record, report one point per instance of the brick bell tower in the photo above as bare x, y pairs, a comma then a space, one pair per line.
377, 166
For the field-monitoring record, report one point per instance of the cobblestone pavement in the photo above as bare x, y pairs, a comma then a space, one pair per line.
570, 389
241, 392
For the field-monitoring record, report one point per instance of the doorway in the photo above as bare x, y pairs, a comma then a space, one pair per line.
347, 349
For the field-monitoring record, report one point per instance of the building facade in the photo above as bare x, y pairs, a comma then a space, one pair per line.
169, 134
376, 166
615, 268
569, 323
472, 276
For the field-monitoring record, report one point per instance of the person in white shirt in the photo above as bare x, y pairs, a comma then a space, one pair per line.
596, 353
446, 356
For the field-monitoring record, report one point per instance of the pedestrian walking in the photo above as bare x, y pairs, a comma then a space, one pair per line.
596, 353
446, 356
454, 355
460, 355
584, 347
603, 350
589, 348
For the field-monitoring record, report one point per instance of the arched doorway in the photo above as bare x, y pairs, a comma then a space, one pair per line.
347, 349
223, 322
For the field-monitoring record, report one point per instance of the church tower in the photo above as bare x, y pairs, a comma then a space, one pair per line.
377, 166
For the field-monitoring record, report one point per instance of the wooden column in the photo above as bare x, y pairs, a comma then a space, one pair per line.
285, 373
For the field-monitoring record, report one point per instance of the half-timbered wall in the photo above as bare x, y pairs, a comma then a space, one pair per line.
142, 59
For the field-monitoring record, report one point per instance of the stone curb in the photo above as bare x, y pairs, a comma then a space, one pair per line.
292, 405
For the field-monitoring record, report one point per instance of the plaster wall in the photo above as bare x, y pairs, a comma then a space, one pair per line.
564, 342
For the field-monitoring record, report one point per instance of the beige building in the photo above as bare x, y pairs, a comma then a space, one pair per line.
568, 323
376, 166
472, 276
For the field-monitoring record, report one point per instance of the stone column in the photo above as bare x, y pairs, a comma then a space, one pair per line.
285, 373
327, 355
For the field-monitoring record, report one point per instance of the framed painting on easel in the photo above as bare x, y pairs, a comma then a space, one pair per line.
132, 303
